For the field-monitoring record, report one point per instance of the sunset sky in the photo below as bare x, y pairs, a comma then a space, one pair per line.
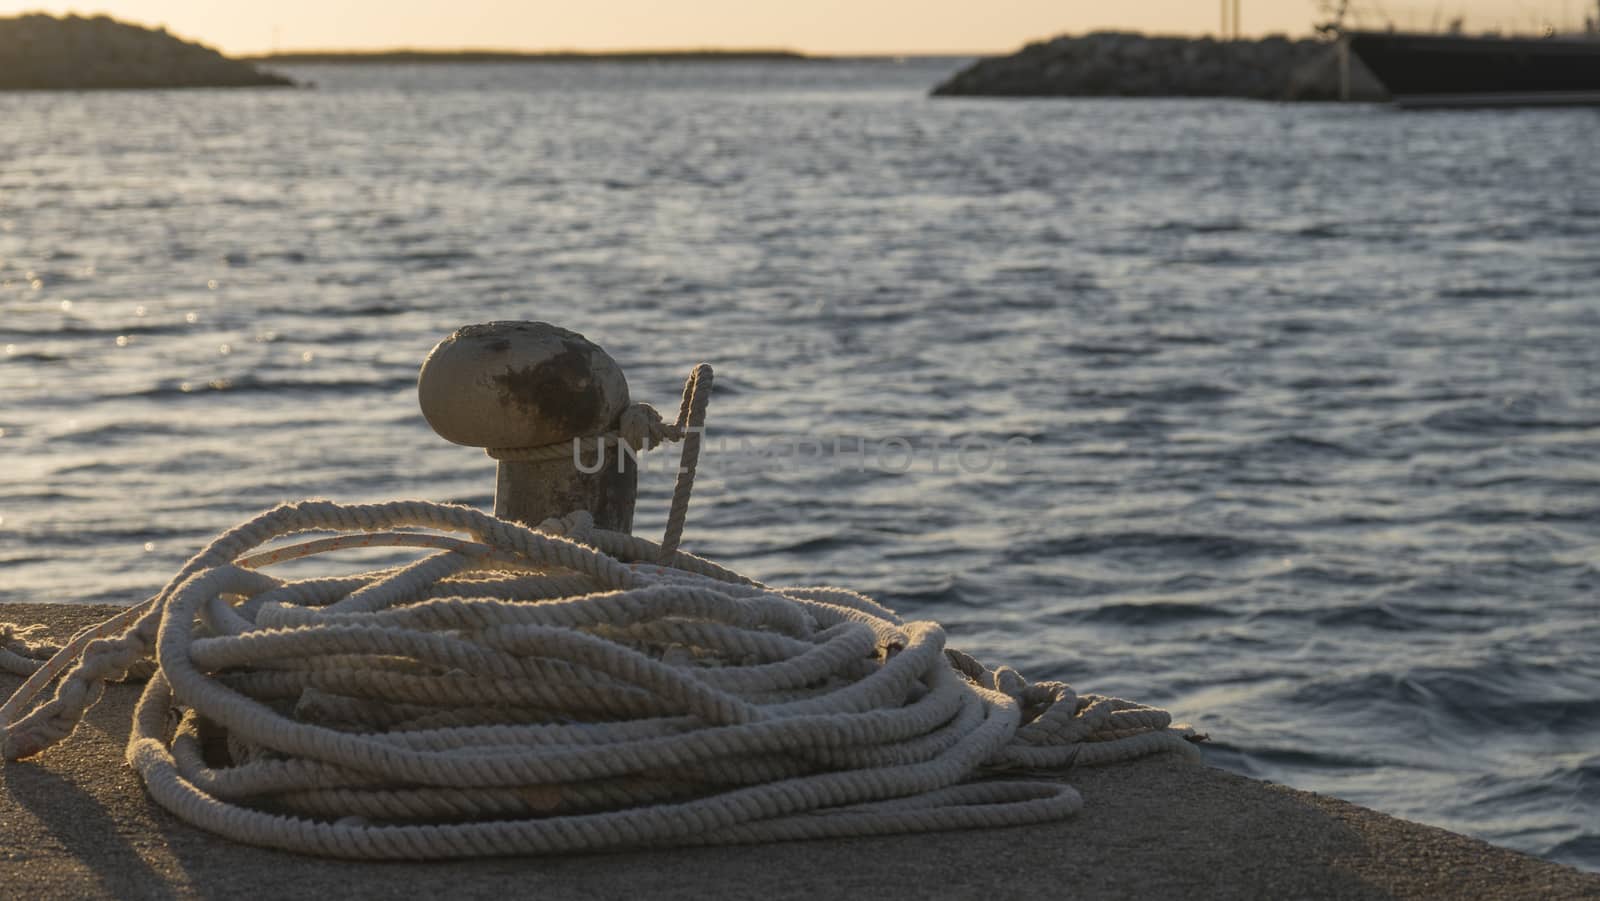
818, 26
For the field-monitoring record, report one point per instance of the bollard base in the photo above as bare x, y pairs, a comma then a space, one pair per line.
528, 492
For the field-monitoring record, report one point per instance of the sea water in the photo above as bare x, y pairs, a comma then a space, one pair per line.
1285, 418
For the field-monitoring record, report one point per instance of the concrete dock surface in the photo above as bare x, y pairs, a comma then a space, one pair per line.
75, 823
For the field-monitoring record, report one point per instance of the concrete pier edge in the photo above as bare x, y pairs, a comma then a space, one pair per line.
75, 822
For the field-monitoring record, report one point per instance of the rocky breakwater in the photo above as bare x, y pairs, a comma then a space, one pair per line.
40, 52
1116, 64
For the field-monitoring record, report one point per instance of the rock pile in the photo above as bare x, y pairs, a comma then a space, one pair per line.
1116, 64
43, 52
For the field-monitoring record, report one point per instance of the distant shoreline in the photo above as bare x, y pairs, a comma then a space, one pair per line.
1131, 64
73, 53
366, 57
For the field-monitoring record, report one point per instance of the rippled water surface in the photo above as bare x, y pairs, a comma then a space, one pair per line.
1302, 406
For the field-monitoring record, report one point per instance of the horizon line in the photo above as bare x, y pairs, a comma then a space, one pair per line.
607, 51
728, 49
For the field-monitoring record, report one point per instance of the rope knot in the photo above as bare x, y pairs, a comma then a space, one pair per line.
642, 428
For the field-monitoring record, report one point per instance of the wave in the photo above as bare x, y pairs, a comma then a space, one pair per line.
122, 432
1299, 447
1497, 696
1330, 574
1485, 292
1111, 350
949, 592
1582, 851
1152, 613
1340, 383
101, 534
1179, 394
1513, 418
1219, 227
1190, 545
34, 357
1243, 758
1380, 616
79, 328
430, 258
250, 383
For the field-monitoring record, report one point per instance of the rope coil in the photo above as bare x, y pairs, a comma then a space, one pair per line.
517, 691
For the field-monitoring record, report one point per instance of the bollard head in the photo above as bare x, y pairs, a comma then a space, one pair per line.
520, 384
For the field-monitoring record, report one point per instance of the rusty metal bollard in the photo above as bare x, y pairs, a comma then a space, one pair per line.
511, 385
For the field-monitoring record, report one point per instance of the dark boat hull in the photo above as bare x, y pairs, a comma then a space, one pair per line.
1422, 70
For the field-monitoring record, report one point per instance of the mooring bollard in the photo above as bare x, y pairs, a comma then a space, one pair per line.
526, 391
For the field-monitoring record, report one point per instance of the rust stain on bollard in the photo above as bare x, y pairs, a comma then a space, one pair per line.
558, 391
533, 384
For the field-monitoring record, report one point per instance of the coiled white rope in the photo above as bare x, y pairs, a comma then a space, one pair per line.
521, 691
